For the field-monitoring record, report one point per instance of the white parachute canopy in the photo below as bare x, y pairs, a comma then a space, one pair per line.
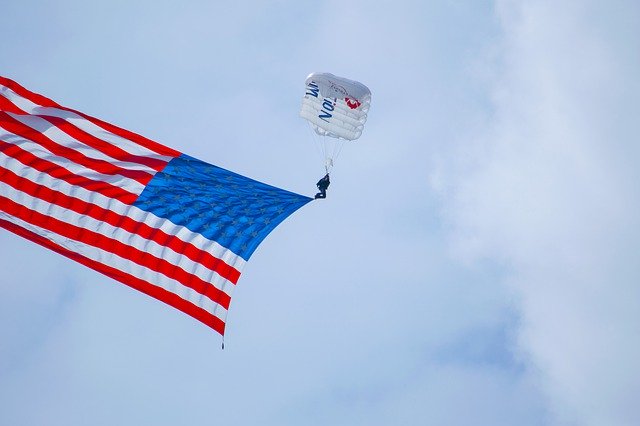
335, 107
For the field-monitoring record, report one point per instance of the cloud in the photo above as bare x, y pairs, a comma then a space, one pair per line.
548, 190
352, 311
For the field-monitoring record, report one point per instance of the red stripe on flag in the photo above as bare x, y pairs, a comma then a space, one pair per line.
58, 172
128, 224
105, 147
16, 127
161, 294
110, 245
46, 102
7, 105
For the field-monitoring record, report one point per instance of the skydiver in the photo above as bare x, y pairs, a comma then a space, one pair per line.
322, 185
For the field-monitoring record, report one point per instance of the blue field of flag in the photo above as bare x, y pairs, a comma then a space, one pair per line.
236, 211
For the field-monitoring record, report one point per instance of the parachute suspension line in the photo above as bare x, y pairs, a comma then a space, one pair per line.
319, 145
339, 145
328, 154
323, 142
332, 148
323, 146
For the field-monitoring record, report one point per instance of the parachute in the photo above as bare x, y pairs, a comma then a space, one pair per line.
336, 108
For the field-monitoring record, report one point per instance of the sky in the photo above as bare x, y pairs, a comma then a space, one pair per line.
476, 260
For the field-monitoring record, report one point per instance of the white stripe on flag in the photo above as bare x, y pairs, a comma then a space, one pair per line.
119, 234
81, 123
58, 136
184, 234
120, 181
113, 260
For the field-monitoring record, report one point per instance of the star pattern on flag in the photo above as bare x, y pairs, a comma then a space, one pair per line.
236, 211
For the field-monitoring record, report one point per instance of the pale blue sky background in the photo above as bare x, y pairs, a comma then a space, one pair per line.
476, 261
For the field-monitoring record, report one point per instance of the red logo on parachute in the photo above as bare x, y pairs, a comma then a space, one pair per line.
352, 103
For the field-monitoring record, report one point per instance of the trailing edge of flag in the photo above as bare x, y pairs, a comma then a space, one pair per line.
166, 224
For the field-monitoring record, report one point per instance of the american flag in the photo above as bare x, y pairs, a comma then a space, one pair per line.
159, 221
